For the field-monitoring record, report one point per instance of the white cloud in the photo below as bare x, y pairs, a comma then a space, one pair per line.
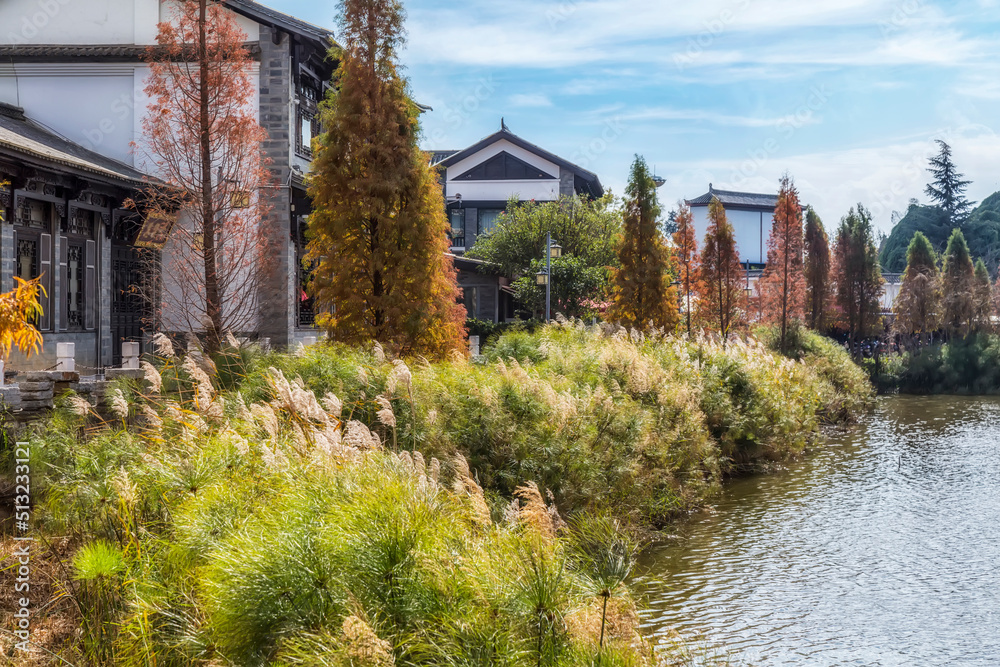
529, 100
882, 177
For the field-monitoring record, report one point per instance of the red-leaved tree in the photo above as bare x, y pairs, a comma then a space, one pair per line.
720, 275
686, 255
782, 286
201, 136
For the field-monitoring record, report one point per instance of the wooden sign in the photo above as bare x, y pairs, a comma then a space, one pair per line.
155, 230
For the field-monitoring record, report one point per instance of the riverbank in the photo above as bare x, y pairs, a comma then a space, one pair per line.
337, 507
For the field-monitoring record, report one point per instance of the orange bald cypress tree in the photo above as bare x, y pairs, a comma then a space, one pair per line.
720, 275
641, 287
686, 255
782, 287
378, 231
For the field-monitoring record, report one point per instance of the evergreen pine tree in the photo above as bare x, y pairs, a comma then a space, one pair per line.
858, 274
817, 270
959, 303
918, 306
378, 228
983, 294
782, 287
720, 275
641, 287
686, 254
947, 190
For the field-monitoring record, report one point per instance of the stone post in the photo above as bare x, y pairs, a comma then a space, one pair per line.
66, 357
474, 346
1, 372
130, 355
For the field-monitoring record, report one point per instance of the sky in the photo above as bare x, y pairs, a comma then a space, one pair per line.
847, 96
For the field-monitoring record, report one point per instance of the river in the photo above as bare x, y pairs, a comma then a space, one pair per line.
882, 547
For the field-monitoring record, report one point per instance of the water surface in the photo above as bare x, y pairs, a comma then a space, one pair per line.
881, 548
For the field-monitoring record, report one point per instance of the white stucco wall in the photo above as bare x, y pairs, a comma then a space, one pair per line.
97, 105
751, 229
85, 21
540, 190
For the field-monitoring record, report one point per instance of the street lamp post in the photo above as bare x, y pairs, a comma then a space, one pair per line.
545, 277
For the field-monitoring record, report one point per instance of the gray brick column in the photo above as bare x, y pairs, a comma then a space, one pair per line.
276, 88
6, 257
105, 344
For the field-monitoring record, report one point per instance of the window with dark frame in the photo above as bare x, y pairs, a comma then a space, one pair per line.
80, 227
307, 122
488, 219
74, 287
457, 218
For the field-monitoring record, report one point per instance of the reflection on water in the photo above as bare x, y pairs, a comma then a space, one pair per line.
882, 548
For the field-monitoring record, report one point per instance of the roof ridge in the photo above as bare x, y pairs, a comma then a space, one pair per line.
11, 111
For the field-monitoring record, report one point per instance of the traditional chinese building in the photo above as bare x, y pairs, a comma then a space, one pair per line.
64, 221
77, 70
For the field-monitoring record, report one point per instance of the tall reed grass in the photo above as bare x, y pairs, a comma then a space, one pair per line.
339, 508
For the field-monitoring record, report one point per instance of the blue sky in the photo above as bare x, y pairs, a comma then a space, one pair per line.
846, 95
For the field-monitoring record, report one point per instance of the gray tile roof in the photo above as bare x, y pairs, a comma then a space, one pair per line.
23, 136
438, 157
735, 199
90, 52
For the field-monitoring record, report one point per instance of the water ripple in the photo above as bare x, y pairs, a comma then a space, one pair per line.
882, 548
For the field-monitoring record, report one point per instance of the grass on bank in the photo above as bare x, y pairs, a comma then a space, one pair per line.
339, 508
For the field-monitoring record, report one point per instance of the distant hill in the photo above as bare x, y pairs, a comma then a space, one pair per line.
982, 232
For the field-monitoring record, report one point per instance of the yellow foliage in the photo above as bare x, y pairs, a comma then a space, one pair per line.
18, 309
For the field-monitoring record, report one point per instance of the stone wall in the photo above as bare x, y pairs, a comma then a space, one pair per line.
277, 310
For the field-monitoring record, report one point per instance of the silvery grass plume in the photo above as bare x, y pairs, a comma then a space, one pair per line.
241, 407
399, 376
162, 346
533, 511
153, 420
295, 398
126, 489
263, 414
386, 416
231, 340
465, 485
378, 352
357, 436
152, 376
117, 403
78, 406
333, 405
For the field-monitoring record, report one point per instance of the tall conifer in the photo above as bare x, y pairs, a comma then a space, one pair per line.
858, 274
641, 287
959, 303
918, 306
378, 229
817, 270
686, 253
720, 275
782, 287
948, 189
983, 294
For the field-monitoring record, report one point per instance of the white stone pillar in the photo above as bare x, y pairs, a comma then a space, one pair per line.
474, 345
66, 357
1, 372
130, 355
